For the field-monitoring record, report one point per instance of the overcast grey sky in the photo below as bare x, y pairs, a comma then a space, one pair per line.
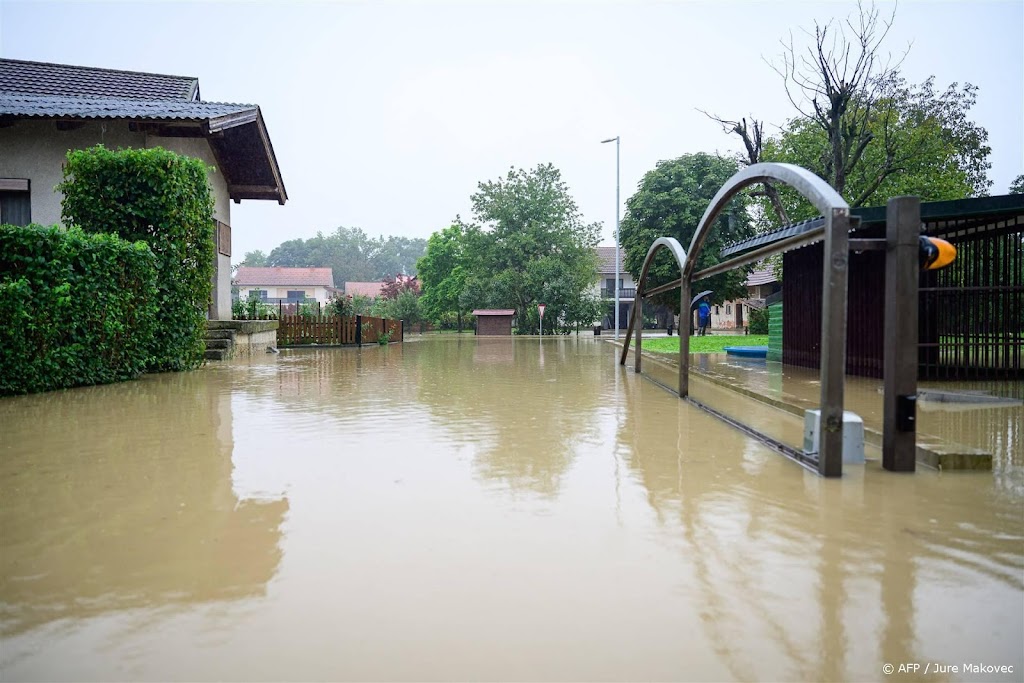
385, 115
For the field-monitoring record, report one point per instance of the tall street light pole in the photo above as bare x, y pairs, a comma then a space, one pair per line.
617, 206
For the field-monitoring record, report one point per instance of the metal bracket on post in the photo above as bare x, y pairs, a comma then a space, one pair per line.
833, 341
899, 365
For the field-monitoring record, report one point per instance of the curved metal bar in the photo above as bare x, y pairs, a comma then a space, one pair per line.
672, 244
817, 191
833, 316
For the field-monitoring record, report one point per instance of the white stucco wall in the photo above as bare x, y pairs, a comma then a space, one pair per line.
276, 292
36, 150
602, 278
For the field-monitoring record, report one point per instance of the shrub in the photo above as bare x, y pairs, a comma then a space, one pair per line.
77, 309
758, 321
340, 305
163, 199
252, 308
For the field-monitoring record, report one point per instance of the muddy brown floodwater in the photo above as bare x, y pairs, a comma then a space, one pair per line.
475, 509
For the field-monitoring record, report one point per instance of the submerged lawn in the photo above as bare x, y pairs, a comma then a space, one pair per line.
712, 343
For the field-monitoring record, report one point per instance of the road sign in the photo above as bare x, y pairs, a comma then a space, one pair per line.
542, 307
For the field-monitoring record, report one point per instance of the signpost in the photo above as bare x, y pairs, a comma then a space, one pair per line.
541, 307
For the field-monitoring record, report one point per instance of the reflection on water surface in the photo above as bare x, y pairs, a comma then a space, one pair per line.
472, 509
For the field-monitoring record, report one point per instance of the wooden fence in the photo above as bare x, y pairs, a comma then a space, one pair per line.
296, 330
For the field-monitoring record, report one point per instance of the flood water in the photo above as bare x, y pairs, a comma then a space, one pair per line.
475, 509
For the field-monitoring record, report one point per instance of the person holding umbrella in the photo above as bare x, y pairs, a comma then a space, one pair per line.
704, 314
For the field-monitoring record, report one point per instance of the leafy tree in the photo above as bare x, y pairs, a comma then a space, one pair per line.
670, 202
351, 254
405, 306
392, 287
931, 149
253, 259
529, 243
1017, 186
443, 271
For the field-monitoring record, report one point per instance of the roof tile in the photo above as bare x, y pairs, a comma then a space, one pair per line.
117, 108
248, 276
607, 256
66, 80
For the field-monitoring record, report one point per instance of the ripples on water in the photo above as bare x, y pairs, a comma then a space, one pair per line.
470, 509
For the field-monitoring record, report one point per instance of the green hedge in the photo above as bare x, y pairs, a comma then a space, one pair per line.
757, 321
164, 199
75, 308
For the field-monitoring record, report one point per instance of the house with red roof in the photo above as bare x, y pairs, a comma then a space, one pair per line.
285, 285
48, 109
370, 290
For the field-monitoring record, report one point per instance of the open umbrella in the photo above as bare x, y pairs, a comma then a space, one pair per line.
696, 299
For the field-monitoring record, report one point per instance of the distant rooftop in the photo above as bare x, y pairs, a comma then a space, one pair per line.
761, 276
607, 256
248, 276
370, 289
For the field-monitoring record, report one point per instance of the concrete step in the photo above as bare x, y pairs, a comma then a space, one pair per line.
217, 354
220, 334
219, 344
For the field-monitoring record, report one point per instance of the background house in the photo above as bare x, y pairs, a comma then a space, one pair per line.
735, 314
48, 109
604, 286
367, 289
285, 285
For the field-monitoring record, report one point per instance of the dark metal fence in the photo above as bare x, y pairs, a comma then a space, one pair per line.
971, 316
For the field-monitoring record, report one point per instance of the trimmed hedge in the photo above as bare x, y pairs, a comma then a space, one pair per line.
75, 308
164, 199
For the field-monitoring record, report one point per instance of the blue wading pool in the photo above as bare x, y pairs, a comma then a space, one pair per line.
747, 351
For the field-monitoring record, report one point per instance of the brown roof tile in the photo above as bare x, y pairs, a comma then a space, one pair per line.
370, 289
248, 276
607, 256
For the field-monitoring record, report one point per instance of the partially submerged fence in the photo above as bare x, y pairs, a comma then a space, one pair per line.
299, 330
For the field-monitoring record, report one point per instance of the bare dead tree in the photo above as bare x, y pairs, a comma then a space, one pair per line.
838, 83
752, 136
842, 83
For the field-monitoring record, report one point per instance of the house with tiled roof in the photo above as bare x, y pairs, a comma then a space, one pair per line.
285, 285
367, 289
735, 314
48, 109
604, 285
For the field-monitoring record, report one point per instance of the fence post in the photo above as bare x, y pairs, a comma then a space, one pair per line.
359, 330
899, 363
833, 341
401, 330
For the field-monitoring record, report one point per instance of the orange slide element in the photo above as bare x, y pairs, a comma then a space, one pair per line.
936, 253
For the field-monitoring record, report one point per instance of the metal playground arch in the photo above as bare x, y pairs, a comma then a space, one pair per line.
833, 316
